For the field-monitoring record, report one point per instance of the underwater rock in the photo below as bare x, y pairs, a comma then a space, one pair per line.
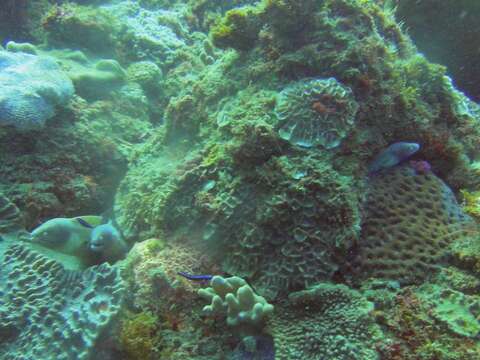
236, 298
85, 27
326, 321
316, 112
52, 313
154, 35
238, 29
410, 220
31, 87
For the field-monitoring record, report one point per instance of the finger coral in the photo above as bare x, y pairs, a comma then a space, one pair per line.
236, 298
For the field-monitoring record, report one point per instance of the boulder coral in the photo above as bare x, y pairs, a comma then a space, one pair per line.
31, 88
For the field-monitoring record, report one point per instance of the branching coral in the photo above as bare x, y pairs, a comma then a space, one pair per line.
237, 299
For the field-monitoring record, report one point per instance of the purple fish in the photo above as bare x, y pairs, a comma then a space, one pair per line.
392, 155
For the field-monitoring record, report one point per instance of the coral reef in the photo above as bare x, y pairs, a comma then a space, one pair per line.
152, 269
316, 112
138, 336
237, 299
238, 28
325, 322
84, 27
248, 133
411, 326
32, 86
459, 312
410, 219
11, 219
48, 312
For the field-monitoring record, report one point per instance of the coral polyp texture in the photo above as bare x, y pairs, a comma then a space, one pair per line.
11, 219
31, 87
48, 312
411, 218
326, 321
315, 112
235, 298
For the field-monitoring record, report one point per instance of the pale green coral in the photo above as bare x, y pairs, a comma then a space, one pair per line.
237, 299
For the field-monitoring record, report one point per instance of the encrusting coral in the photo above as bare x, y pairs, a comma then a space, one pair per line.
325, 321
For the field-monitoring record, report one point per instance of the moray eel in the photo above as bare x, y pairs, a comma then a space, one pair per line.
66, 235
392, 155
107, 241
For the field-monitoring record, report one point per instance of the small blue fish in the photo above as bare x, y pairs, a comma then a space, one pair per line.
392, 155
195, 277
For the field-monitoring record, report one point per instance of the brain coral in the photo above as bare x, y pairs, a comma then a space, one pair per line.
316, 112
30, 88
410, 219
325, 322
47, 312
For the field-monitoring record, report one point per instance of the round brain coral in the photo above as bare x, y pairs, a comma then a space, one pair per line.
315, 112
30, 88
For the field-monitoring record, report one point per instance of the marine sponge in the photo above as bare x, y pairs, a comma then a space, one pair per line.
315, 112
30, 88
326, 321
235, 297
47, 312
411, 217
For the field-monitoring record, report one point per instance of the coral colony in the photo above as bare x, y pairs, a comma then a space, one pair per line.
219, 180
